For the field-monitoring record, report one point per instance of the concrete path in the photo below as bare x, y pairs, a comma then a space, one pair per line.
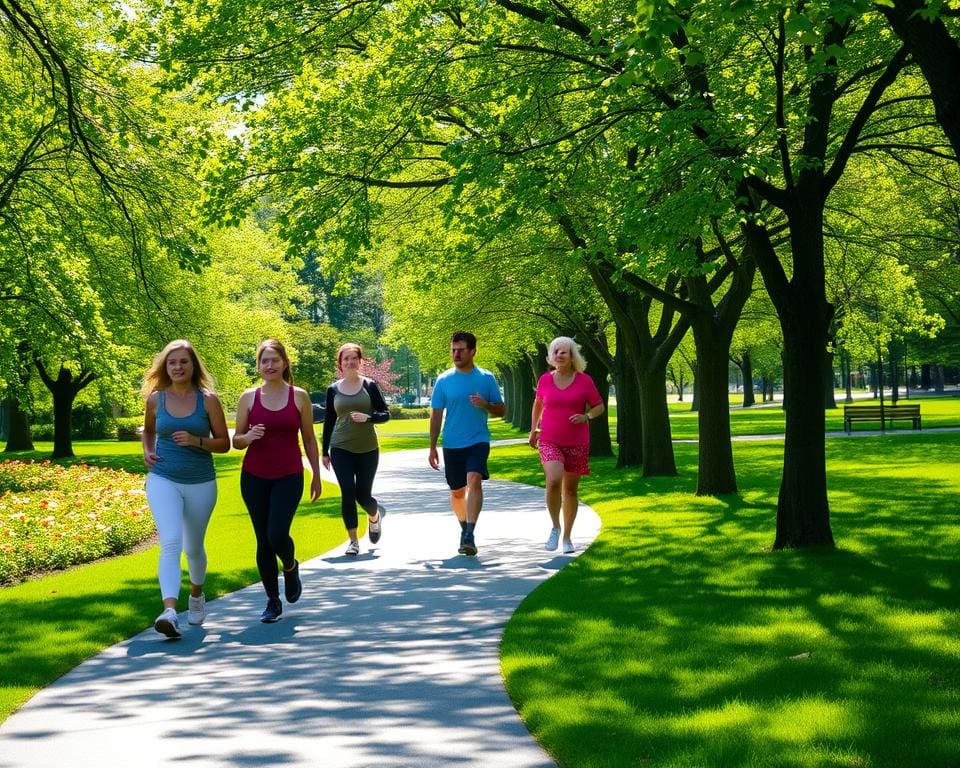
389, 658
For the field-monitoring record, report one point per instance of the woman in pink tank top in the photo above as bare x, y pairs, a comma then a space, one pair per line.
566, 400
270, 419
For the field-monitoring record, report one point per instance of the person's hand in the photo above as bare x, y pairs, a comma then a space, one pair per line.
182, 437
534, 438
478, 401
579, 418
359, 416
255, 432
326, 462
315, 488
150, 458
434, 459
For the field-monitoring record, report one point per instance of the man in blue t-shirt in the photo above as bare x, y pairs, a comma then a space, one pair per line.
469, 394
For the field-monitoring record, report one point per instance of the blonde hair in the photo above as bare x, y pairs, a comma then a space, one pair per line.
157, 377
348, 347
277, 347
579, 364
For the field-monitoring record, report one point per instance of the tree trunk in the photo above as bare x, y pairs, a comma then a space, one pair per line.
746, 369
829, 395
658, 459
926, 381
525, 386
695, 395
509, 392
18, 434
803, 512
938, 56
64, 390
600, 427
715, 473
938, 382
847, 375
629, 415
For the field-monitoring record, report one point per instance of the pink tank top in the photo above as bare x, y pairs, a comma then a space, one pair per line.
277, 453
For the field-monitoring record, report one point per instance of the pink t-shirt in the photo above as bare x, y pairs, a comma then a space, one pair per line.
560, 404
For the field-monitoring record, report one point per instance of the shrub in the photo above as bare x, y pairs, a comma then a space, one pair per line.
52, 517
128, 427
396, 412
42, 431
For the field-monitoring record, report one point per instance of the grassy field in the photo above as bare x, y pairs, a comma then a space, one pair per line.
678, 639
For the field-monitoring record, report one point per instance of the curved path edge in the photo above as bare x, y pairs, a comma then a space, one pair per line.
389, 659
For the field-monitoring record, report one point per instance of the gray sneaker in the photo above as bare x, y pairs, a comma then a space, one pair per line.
553, 540
197, 609
167, 624
373, 529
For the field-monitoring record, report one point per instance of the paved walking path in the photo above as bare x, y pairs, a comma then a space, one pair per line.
389, 659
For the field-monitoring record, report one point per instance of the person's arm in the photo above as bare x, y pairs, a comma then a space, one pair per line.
148, 437
220, 442
436, 419
243, 433
329, 422
381, 412
592, 402
309, 440
535, 422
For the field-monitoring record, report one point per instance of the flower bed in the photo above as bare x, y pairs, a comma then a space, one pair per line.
52, 517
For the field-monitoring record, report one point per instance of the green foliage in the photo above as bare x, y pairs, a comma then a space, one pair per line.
52, 517
128, 427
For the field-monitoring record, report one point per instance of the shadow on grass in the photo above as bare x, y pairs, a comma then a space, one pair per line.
680, 639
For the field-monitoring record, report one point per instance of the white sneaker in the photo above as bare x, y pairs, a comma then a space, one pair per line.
552, 540
568, 547
197, 610
353, 548
167, 624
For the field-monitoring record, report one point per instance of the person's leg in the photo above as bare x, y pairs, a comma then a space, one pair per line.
553, 473
166, 506
366, 470
571, 484
345, 468
256, 495
199, 501
285, 495
474, 497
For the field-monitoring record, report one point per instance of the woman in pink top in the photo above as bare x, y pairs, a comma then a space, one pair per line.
566, 400
269, 420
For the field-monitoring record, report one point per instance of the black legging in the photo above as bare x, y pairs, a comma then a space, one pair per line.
272, 504
355, 472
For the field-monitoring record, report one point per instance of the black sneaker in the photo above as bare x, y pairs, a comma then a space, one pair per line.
374, 529
292, 586
469, 546
272, 612
463, 535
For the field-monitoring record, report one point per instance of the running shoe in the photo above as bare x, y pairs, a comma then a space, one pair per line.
553, 540
197, 609
167, 624
272, 612
292, 586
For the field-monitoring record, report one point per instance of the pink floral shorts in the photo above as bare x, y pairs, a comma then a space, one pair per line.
575, 458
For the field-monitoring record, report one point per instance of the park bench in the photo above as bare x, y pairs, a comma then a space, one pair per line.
888, 413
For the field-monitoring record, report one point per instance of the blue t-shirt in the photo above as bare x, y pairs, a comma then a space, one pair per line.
185, 464
464, 424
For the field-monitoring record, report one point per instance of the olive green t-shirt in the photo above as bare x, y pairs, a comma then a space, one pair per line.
350, 435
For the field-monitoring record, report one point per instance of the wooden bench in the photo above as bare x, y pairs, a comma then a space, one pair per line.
889, 413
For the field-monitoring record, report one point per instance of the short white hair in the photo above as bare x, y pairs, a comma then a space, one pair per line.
579, 364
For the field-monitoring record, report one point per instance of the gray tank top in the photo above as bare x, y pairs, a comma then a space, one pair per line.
349, 435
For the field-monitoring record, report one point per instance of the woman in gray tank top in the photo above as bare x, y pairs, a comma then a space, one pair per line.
354, 405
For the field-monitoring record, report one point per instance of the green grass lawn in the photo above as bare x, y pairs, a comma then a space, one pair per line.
680, 639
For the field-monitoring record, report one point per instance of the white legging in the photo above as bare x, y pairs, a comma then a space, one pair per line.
181, 512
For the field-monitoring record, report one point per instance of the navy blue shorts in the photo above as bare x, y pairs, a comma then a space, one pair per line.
457, 462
